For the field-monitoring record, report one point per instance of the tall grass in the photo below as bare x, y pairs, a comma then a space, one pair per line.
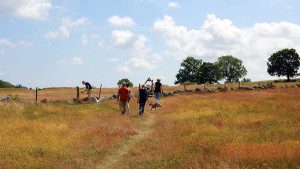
238, 129
60, 135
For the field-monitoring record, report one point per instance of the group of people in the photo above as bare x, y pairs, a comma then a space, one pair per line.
125, 95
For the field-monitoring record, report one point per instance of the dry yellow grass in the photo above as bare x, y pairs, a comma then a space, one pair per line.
234, 129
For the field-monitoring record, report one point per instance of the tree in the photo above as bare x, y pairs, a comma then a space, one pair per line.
284, 63
188, 71
209, 73
125, 80
5, 84
231, 68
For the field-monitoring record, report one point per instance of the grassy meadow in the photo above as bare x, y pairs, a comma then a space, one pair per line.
242, 129
233, 129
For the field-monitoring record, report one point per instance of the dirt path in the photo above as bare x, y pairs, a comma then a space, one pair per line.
117, 155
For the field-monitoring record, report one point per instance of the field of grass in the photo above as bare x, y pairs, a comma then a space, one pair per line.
234, 129
242, 129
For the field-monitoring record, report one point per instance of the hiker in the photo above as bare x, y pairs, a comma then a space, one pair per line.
143, 97
130, 95
88, 90
158, 90
123, 94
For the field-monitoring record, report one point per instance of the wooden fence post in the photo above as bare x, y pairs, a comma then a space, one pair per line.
77, 92
239, 84
100, 91
36, 94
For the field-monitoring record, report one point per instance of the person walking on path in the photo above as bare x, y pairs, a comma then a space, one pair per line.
143, 97
123, 95
157, 91
88, 89
130, 95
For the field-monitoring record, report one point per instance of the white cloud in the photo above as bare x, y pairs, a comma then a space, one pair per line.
121, 21
113, 59
124, 69
10, 43
24, 43
64, 30
141, 55
2, 52
173, 5
91, 39
76, 61
6, 42
216, 37
122, 38
28, 9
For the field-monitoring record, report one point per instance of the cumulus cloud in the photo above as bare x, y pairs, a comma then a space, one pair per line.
67, 25
121, 21
76, 61
173, 5
28, 9
216, 37
141, 55
122, 38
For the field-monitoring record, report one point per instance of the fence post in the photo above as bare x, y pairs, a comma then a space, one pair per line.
36, 94
100, 91
77, 92
204, 86
239, 84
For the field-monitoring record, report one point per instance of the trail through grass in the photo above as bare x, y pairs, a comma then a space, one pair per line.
117, 154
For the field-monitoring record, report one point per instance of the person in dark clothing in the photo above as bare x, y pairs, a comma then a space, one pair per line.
88, 90
143, 97
158, 90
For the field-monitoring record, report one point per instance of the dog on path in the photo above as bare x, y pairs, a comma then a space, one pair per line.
154, 106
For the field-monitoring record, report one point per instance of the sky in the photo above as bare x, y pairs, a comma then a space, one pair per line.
59, 43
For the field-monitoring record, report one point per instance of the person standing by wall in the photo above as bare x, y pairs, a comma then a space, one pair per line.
123, 95
88, 89
143, 97
157, 91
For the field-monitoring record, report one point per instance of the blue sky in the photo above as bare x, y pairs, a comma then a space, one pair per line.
50, 43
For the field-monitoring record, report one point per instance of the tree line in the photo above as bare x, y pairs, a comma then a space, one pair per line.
231, 69
5, 84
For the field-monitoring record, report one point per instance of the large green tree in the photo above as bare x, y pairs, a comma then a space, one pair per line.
232, 68
284, 63
188, 71
209, 73
125, 80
